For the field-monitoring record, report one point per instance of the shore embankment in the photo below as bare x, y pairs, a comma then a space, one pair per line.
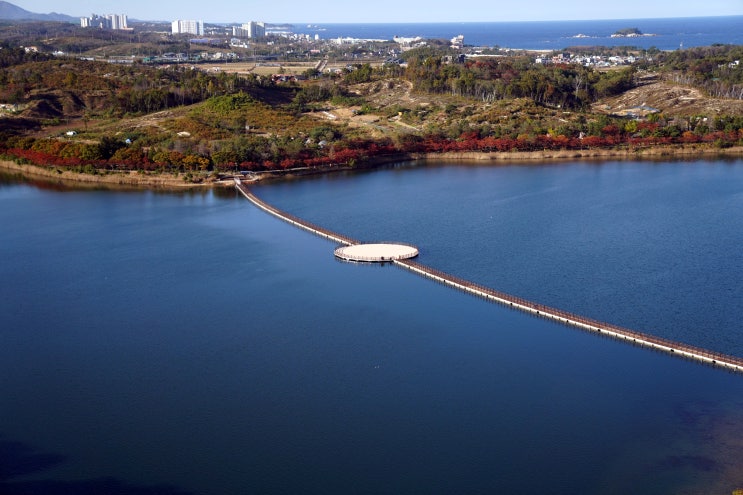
640, 153
524, 157
165, 180
126, 179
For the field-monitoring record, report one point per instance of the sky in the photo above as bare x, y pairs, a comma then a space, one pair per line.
386, 11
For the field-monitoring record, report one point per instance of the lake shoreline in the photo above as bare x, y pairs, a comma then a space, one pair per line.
147, 180
120, 179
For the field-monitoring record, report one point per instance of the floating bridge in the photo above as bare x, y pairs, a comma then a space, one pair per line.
402, 254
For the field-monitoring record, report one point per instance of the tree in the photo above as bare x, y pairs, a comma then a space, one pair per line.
108, 146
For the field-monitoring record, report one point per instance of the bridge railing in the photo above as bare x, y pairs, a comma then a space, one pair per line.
574, 319
525, 304
288, 217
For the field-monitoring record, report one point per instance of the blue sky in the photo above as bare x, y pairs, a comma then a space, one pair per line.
327, 11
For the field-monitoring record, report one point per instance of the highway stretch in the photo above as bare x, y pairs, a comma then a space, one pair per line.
679, 349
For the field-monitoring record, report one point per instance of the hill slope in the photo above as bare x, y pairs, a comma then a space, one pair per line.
10, 12
670, 99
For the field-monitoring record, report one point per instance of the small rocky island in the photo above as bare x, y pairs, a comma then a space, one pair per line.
632, 32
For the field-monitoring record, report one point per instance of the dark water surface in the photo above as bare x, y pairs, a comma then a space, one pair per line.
651, 246
190, 343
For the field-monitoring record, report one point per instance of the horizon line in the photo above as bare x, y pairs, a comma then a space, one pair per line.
465, 22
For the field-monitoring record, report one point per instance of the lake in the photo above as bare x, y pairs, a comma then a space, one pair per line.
190, 343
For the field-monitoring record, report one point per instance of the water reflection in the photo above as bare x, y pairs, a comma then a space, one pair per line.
18, 460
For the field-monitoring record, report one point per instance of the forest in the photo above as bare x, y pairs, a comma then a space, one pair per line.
565, 85
716, 69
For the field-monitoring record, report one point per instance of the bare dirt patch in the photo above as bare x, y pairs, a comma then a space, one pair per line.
669, 99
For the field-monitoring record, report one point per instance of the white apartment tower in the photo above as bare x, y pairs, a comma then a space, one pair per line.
117, 21
110, 21
255, 29
250, 29
190, 27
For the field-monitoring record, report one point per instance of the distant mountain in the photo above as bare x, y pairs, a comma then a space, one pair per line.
10, 12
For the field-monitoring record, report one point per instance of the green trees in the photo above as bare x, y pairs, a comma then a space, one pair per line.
359, 74
310, 93
108, 146
615, 82
490, 79
717, 69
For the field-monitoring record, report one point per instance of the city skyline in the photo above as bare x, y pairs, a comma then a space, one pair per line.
388, 11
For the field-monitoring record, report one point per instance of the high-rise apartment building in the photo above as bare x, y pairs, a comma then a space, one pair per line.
110, 21
190, 27
117, 21
256, 29
250, 29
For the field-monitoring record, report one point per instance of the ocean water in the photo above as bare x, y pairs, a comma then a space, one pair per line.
670, 34
191, 343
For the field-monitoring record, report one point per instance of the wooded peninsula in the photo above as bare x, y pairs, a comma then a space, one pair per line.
294, 107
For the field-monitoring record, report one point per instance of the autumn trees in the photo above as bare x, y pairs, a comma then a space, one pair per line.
227, 122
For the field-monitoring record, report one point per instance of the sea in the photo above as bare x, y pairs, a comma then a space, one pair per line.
663, 34
187, 342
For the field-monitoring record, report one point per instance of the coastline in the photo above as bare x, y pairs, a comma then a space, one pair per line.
140, 180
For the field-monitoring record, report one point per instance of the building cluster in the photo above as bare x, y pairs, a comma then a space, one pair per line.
110, 21
588, 60
252, 29
409, 43
354, 41
181, 26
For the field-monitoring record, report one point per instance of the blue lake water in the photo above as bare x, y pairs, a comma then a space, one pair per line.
190, 343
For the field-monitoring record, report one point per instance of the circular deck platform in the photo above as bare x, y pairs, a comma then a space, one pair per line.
376, 252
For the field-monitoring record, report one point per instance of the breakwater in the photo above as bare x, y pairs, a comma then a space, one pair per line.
679, 349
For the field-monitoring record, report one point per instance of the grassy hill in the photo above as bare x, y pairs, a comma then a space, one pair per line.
95, 115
